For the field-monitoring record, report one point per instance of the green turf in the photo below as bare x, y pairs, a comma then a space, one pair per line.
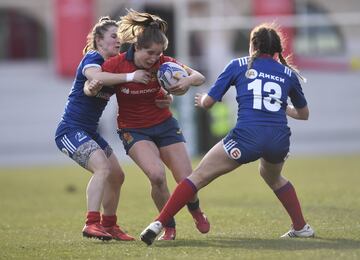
43, 209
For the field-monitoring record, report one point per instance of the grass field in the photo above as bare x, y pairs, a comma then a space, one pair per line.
43, 210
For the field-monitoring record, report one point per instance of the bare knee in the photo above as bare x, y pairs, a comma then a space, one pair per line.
117, 177
271, 175
103, 172
157, 180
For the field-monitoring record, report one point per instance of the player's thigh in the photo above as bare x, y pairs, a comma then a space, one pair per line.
98, 162
214, 164
147, 156
177, 159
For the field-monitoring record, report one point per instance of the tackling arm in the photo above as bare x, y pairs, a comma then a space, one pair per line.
204, 100
109, 79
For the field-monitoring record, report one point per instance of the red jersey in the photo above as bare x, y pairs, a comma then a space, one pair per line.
136, 101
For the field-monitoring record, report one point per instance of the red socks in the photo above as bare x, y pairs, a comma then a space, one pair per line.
182, 194
287, 195
108, 221
92, 217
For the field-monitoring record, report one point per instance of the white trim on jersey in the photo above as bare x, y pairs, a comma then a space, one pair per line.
68, 145
88, 66
287, 71
243, 61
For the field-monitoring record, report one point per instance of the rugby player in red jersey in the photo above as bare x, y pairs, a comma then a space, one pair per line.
151, 135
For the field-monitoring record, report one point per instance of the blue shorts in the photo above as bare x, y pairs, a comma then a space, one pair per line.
163, 134
79, 144
247, 144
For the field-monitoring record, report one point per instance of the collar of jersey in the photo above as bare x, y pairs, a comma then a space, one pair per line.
265, 55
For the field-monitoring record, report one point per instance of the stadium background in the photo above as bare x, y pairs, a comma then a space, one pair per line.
41, 43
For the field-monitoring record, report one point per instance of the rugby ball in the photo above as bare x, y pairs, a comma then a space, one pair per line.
169, 73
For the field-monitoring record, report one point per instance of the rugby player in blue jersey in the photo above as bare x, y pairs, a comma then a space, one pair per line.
263, 86
77, 136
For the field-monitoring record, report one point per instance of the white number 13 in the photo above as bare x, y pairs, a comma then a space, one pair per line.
271, 102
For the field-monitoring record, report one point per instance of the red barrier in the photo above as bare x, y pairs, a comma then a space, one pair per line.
73, 21
273, 8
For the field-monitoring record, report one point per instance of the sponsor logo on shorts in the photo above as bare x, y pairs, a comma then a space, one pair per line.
128, 137
80, 136
179, 132
235, 153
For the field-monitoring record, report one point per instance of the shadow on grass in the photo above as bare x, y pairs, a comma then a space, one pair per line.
266, 244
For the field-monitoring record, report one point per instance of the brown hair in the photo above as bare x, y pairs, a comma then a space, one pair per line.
142, 29
98, 31
267, 39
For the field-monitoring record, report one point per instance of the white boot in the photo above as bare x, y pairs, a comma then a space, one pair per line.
306, 231
151, 232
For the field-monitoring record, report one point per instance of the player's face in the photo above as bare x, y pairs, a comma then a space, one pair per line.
110, 43
145, 58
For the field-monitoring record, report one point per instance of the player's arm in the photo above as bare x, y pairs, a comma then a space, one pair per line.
92, 87
195, 78
298, 113
220, 87
97, 78
109, 79
204, 100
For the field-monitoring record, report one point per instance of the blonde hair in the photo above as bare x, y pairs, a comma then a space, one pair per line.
98, 31
142, 29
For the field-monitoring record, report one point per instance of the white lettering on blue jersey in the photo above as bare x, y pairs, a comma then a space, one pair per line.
272, 77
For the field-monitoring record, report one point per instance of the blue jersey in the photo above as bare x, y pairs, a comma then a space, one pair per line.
82, 111
262, 92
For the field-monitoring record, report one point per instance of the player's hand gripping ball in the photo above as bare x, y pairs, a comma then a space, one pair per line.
169, 73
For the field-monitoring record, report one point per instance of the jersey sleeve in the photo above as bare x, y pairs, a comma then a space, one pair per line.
168, 59
91, 59
296, 94
171, 59
224, 81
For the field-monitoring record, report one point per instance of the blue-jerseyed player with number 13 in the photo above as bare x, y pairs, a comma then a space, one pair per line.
263, 86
